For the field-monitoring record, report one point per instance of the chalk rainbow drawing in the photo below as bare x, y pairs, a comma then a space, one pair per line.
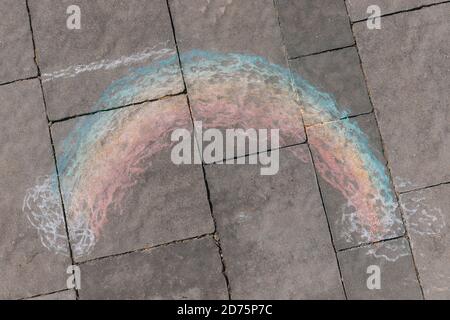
102, 159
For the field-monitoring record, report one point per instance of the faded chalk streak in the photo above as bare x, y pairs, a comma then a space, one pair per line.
152, 53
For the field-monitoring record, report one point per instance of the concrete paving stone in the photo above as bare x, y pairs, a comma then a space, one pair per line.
338, 73
240, 94
16, 44
161, 203
398, 279
62, 295
273, 230
342, 216
27, 267
115, 36
427, 215
357, 9
229, 26
188, 270
314, 26
408, 80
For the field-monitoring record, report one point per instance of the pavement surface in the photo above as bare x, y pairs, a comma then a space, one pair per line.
358, 209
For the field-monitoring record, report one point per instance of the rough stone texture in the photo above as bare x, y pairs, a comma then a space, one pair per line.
357, 9
168, 202
27, 267
336, 204
16, 46
62, 295
233, 27
188, 270
248, 27
314, 26
427, 215
273, 230
110, 30
397, 273
338, 73
408, 80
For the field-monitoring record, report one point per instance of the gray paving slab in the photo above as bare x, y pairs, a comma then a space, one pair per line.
427, 215
398, 279
273, 230
357, 9
313, 26
28, 267
229, 26
62, 295
408, 80
16, 45
188, 270
339, 74
115, 36
349, 159
121, 190
235, 67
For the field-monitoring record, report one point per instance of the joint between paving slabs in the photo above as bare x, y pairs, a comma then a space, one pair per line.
216, 236
326, 217
367, 244
315, 172
353, 116
312, 160
320, 52
18, 80
425, 188
167, 96
384, 152
45, 294
148, 248
51, 142
237, 157
400, 11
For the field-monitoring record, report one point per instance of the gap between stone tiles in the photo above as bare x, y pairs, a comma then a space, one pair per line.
18, 80
400, 11
289, 145
147, 248
45, 294
51, 142
216, 236
315, 172
320, 52
255, 153
425, 188
367, 244
119, 107
397, 198
310, 126
328, 221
